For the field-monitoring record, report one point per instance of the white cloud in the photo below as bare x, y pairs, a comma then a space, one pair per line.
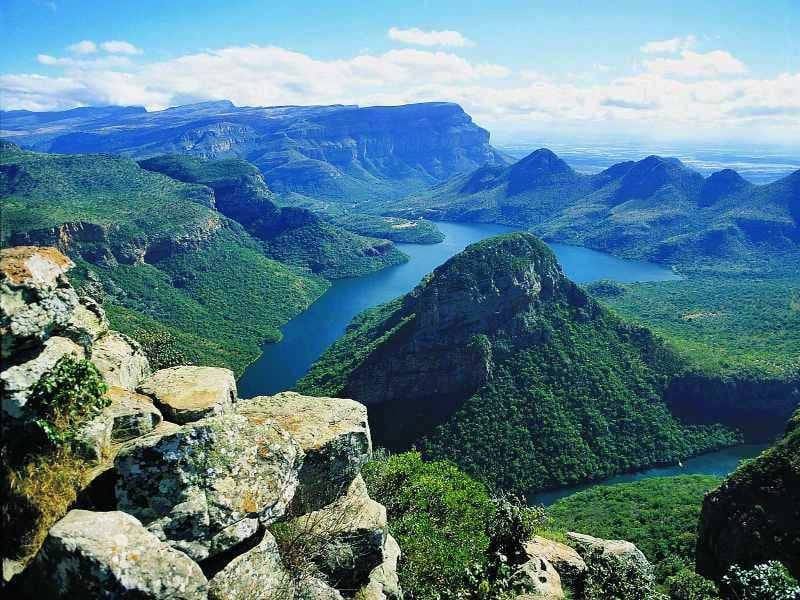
120, 47
691, 94
670, 46
421, 37
83, 47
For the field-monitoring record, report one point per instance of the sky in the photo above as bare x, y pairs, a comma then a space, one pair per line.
701, 71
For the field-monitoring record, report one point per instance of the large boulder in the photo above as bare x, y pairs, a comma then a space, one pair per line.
87, 324
333, 433
110, 555
208, 486
258, 574
18, 380
538, 580
614, 569
345, 539
185, 394
120, 360
35, 296
565, 560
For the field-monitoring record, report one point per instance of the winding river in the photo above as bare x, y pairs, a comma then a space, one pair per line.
307, 336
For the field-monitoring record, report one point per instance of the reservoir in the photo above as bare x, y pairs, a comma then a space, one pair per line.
307, 336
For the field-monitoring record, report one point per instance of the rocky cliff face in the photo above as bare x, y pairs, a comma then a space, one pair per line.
332, 152
754, 516
193, 492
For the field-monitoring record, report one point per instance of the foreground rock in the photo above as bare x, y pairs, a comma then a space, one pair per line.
120, 360
539, 580
614, 568
186, 394
345, 539
110, 555
384, 583
332, 432
35, 296
566, 561
206, 487
754, 516
257, 574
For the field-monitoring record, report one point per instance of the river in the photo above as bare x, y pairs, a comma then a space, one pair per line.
307, 336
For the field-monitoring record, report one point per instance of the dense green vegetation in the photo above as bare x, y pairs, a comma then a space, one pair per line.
449, 526
659, 515
407, 231
574, 393
726, 325
195, 275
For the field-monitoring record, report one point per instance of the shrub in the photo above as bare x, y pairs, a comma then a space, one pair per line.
688, 585
768, 581
72, 392
162, 349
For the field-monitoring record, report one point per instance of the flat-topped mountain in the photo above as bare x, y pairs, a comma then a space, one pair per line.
323, 152
656, 209
500, 363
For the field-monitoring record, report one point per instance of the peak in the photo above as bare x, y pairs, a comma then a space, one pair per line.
721, 184
540, 168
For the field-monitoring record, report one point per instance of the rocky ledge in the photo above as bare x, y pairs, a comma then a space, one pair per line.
204, 495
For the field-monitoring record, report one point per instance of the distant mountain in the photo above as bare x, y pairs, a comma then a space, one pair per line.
655, 208
292, 235
500, 363
338, 153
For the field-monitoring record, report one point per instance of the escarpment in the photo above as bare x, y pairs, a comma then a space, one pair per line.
179, 488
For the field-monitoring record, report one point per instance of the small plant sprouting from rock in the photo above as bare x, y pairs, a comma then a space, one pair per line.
72, 392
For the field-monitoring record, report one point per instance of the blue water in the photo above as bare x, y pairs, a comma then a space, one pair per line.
307, 336
719, 463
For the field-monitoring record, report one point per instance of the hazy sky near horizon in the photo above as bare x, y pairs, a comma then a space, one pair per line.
712, 71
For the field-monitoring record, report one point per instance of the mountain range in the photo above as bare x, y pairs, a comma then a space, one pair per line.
655, 209
317, 153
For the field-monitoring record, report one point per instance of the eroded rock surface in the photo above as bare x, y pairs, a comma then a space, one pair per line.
120, 360
205, 487
185, 394
110, 555
333, 433
539, 580
566, 561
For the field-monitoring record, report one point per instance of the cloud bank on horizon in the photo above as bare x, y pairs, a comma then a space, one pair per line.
670, 87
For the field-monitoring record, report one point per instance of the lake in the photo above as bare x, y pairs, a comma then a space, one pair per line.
307, 336
719, 463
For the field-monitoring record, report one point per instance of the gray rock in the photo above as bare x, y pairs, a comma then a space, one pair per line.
312, 588
35, 296
614, 568
133, 415
18, 380
566, 561
202, 486
185, 394
120, 360
384, 583
93, 438
539, 580
110, 555
346, 538
333, 433
258, 574
87, 323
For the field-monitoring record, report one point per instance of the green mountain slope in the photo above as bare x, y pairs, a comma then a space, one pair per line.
167, 265
655, 209
500, 363
292, 235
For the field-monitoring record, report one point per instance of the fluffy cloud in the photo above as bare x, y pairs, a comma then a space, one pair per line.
687, 94
419, 37
83, 47
694, 65
670, 46
120, 47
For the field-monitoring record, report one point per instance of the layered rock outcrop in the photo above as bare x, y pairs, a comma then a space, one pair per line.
210, 497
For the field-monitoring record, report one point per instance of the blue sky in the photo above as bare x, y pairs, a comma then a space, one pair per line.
707, 70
